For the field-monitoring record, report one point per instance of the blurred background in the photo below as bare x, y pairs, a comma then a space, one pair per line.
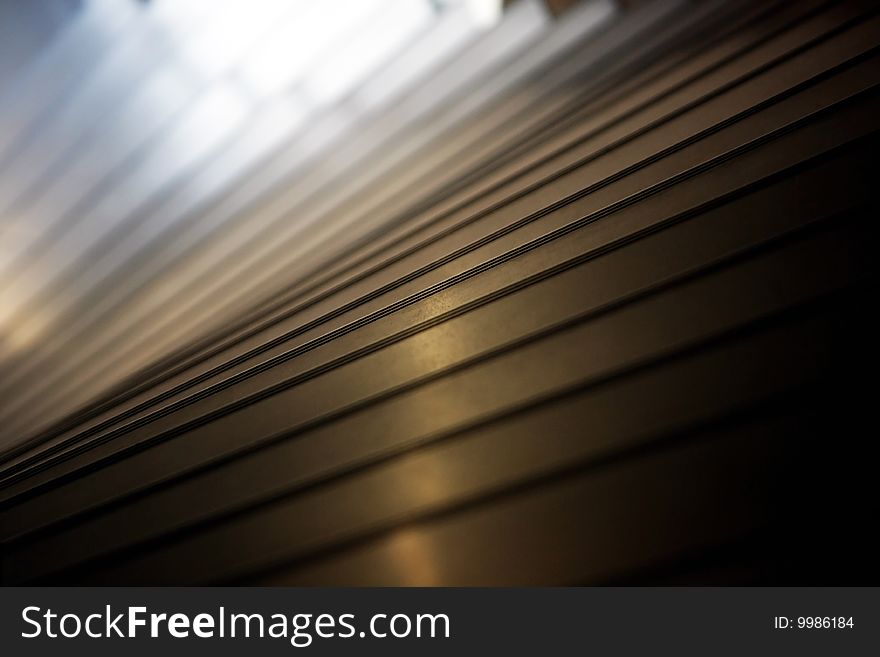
435, 291
167, 165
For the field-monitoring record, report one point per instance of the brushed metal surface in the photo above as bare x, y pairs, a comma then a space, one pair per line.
610, 327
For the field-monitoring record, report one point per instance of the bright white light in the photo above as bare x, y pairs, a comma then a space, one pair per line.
486, 12
297, 44
233, 28
182, 18
453, 28
398, 21
279, 117
211, 119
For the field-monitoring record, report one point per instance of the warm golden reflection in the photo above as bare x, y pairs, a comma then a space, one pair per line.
411, 558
